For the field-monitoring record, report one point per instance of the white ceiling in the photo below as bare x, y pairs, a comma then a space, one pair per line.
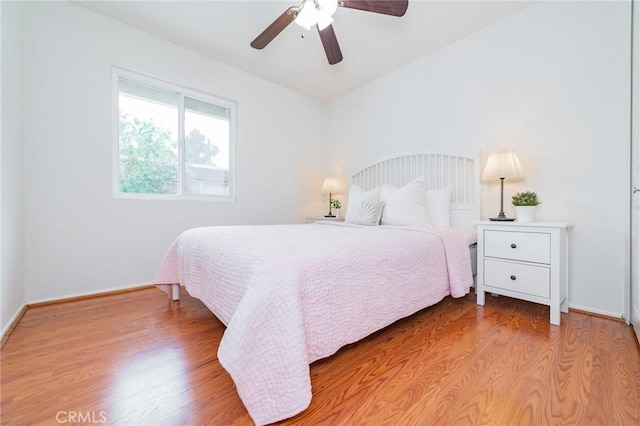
372, 44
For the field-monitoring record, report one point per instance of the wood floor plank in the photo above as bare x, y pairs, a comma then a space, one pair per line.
138, 359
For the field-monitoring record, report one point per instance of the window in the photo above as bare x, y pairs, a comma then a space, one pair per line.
171, 142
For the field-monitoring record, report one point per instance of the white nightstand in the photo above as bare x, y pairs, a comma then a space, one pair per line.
528, 261
332, 219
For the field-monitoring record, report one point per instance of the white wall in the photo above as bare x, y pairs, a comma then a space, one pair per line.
12, 225
634, 300
79, 239
552, 83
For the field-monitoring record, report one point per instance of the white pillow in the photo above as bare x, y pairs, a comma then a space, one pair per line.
356, 196
369, 213
406, 205
439, 206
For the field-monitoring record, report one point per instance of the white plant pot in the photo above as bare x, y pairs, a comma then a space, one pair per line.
525, 213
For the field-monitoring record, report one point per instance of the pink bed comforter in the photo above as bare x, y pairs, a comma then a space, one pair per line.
292, 294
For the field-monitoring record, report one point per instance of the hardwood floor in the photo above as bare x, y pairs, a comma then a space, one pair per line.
136, 358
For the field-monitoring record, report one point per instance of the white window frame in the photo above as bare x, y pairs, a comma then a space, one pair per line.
183, 92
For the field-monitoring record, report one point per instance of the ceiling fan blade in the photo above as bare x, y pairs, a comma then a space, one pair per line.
330, 44
275, 28
387, 7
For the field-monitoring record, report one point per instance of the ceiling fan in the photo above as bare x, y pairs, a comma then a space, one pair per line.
320, 13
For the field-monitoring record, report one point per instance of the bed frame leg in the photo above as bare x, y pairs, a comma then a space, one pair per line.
175, 292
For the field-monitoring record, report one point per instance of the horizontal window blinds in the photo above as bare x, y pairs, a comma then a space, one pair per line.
206, 108
140, 90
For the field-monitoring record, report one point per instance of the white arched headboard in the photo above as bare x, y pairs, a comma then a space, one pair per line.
439, 171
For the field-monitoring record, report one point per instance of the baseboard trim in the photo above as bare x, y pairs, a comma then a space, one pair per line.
596, 313
88, 295
6, 332
636, 322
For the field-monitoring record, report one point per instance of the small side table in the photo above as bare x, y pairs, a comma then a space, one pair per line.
318, 218
527, 260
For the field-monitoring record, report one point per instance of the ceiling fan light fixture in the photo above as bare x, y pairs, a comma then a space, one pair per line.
308, 15
318, 12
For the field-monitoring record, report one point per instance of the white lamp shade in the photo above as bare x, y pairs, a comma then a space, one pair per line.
328, 7
307, 16
503, 164
330, 185
310, 15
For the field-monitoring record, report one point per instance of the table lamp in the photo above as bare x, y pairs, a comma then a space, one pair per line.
330, 186
501, 166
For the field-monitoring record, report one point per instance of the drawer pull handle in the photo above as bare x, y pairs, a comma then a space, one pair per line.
513, 245
513, 277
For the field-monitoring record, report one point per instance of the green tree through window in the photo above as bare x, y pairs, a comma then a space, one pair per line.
148, 158
199, 149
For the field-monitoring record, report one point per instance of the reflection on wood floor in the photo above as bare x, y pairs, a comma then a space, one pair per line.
135, 358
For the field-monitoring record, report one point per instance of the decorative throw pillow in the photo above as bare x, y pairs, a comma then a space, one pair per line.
356, 196
406, 205
369, 213
439, 206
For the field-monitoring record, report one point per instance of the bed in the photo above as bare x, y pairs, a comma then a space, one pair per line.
292, 294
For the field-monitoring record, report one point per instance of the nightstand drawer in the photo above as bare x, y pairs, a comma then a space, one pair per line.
525, 246
527, 279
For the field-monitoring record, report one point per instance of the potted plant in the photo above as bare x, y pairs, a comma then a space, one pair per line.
336, 204
525, 204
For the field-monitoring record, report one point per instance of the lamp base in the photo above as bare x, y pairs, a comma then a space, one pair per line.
333, 215
502, 219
